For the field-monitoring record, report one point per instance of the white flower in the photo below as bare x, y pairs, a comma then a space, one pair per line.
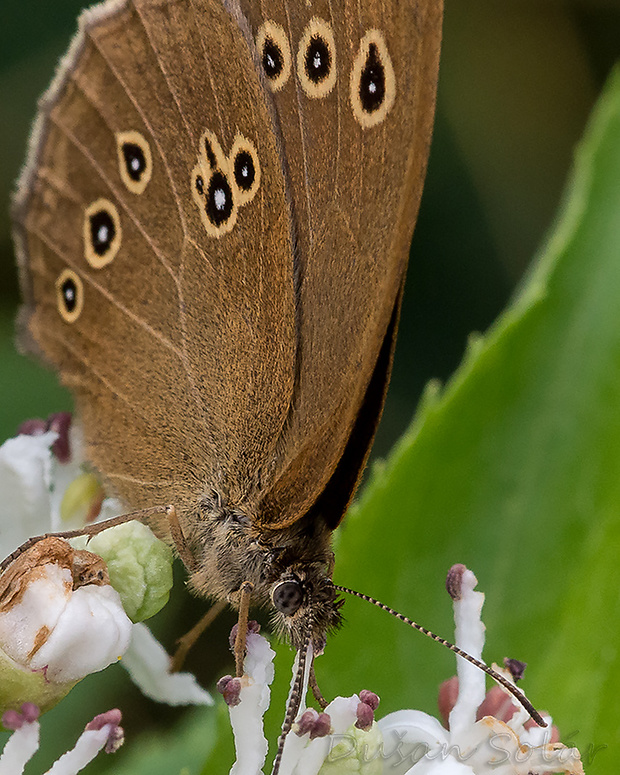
248, 699
65, 631
44, 486
315, 736
345, 739
103, 732
148, 663
417, 744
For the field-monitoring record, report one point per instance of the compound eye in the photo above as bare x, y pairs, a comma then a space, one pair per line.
287, 597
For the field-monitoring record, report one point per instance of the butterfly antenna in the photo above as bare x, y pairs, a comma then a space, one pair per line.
498, 677
294, 700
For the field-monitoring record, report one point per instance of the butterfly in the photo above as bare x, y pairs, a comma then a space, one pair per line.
212, 231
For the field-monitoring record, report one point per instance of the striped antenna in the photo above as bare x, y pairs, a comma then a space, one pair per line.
498, 677
294, 700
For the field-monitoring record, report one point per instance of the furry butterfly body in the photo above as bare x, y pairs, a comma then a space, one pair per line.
212, 230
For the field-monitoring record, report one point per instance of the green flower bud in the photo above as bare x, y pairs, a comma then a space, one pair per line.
18, 684
140, 567
358, 751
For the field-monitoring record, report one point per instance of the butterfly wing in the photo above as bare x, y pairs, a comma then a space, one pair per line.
178, 343
354, 85
206, 356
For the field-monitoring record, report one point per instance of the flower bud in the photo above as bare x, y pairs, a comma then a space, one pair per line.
140, 567
59, 621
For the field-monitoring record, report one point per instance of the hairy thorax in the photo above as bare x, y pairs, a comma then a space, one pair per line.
230, 550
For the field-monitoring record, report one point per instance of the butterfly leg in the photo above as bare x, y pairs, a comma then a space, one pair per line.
242, 625
185, 643
89, 530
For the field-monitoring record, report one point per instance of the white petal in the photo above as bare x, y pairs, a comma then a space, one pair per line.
92, 633
43, 603
87, 747
448, 766
148, 664
246, 718
550, 758
536, 735
469, 635
408, 736
24, 476
343, 714
294, 745
19, 749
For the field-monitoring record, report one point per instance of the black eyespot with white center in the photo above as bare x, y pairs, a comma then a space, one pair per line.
274, 53
221, 191
316, 58
219, 199
272, 59
135, 160
69, 295
373, 81
245, 173
102, 233
245, 169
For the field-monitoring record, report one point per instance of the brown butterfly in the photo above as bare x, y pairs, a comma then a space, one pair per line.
212, 230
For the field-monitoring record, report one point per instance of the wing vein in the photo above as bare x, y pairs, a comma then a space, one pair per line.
110, 297
85, 152
209, 70
303, 142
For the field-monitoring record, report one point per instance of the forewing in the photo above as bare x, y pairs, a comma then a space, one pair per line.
181, 358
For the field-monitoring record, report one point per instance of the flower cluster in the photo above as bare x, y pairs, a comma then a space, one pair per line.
71, 608
68, 609
485, 733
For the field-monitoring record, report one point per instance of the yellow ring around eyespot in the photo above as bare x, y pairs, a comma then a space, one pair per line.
135, 138
92, 257
316, 27
242, 143
271, 31
70, 316
365, 118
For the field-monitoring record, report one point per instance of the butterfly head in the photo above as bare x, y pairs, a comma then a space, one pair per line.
289, 569
306, 603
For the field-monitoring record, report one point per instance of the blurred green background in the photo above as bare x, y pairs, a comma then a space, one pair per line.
518, 81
